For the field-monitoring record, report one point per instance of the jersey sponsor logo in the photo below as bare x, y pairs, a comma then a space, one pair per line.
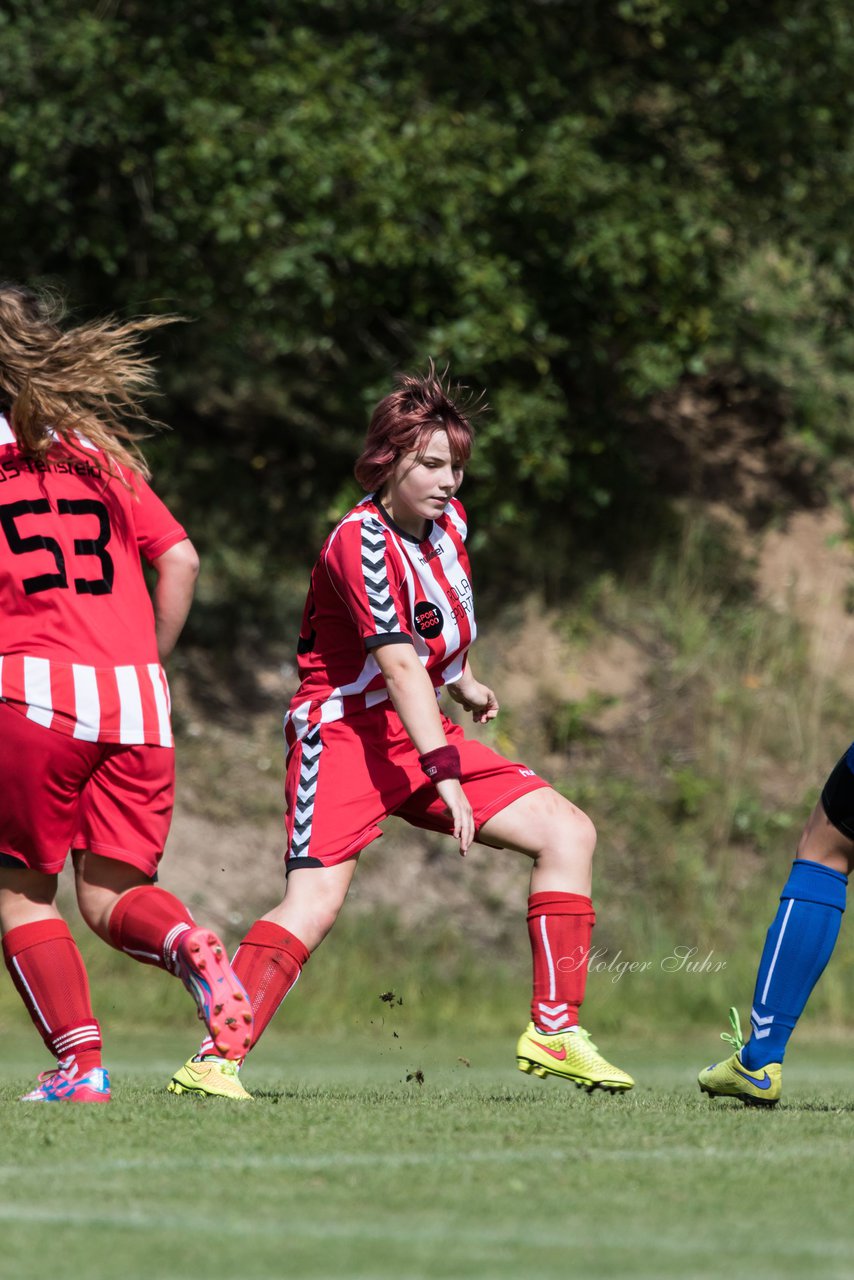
428, 620
461, 598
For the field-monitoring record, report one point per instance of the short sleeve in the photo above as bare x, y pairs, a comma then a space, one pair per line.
156, 528
366, 573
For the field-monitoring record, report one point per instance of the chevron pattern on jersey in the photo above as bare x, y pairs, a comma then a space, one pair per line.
306, 791
376, 577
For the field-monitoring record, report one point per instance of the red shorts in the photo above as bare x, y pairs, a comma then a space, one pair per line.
345, 777
58, 793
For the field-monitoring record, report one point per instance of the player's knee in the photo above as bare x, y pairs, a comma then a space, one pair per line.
583, 831
95, 906
568, 829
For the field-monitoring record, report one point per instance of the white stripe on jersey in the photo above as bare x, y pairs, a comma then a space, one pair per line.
87, 703
37, 690
456, 519
131, 729
156, 676
7, 435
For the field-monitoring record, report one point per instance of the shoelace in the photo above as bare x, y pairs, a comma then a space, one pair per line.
49, 1075
736, 1039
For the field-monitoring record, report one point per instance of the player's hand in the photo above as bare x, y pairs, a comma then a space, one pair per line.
475, 697
458, 807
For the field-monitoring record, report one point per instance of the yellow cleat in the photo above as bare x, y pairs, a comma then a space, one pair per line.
731, 1078
212, 1078
572, 1055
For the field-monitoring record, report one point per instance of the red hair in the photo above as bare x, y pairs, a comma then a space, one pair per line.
407, 418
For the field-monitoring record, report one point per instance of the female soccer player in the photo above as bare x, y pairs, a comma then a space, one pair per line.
798, 945
388, 623
86, 753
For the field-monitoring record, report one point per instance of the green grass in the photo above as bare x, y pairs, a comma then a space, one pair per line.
342, 1168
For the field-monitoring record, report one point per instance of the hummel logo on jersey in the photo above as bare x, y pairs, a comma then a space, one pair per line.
438, 550
560, 1054
761, 1082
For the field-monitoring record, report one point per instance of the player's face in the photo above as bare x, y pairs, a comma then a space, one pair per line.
422, 482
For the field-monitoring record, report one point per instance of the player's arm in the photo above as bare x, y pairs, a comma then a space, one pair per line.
414, 699
473, 696
177, 570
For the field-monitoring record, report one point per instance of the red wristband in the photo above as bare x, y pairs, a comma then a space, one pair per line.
441, 764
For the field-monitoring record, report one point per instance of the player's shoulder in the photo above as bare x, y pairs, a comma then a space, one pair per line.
454, 517
349, 529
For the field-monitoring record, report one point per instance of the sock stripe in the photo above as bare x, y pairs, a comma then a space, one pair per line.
29, 992
548, 954
87, 1032
777, 950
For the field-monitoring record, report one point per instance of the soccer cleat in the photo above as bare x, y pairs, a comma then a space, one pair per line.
572, 1055
223, 1004
59, 1086
212, 1078
732, 1079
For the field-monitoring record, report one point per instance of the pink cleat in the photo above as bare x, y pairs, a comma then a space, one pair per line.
223, 1004
59, 1086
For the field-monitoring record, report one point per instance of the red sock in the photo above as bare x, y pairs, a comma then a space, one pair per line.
268, 962
559, 926
147, 922
50, 977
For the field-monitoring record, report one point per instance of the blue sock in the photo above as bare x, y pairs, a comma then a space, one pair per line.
797, 948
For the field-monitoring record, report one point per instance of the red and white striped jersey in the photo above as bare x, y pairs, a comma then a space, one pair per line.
375, 584
78, 651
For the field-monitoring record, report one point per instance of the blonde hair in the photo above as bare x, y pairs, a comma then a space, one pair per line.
58, 384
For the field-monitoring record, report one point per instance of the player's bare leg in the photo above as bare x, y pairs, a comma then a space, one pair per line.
313, 898
560, 839
822, 842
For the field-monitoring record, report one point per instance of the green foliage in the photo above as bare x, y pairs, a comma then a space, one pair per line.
793, 325
572, 205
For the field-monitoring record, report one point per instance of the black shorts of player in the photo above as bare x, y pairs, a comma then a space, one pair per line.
837, 798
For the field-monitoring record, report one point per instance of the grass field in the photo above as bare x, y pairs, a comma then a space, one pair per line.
343, 1168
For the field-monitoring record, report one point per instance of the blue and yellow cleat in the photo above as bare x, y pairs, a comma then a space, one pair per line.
732, 1079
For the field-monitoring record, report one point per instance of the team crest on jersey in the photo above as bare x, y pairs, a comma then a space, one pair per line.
428, 620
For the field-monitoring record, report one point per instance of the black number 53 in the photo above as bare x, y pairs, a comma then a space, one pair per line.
19, 545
